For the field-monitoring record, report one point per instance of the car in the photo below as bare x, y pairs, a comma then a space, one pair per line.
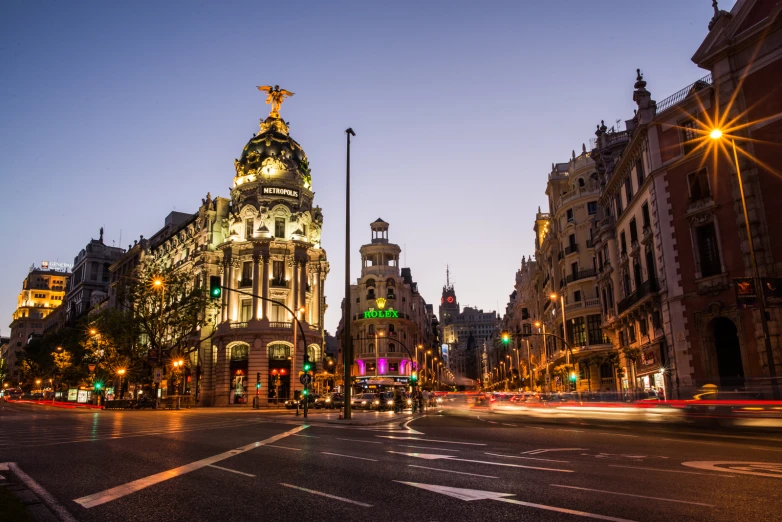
382, 401
13, 394
331, 401
311, 398
362, 401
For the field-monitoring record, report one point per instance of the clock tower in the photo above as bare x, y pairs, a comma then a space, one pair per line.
449, 306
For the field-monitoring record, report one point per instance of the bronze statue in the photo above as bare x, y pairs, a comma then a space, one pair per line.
275, 98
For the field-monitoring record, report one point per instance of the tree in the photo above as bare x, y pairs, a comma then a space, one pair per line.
591, 360
633, 355
163, 311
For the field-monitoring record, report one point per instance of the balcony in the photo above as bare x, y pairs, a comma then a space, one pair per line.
280, 324
246, 283
680, 96
647, 234
581, 274
592, 303
242, 324
280, 282
647, 288
574, 306
571, 249
605, 223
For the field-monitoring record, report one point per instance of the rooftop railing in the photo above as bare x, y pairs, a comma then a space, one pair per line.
679, 96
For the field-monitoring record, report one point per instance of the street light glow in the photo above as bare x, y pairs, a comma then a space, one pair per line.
715, 134
553, 297
157, 282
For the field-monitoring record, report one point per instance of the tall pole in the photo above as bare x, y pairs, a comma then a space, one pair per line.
347, 340
529, 365
772, 371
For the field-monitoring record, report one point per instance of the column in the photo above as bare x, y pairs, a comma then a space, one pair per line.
265, 286
233, 297
222, 381
303, 287
295, 292
226, 283
256, 277
315, 312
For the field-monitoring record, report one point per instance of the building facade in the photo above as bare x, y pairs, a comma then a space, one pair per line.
42, 292
392, 326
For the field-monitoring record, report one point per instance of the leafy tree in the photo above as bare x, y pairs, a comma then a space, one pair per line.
632, 354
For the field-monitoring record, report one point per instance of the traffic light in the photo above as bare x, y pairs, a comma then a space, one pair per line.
573, 376
258, 381
414, 377
98, 385
307, 364
305, 391
214, 287
505, 337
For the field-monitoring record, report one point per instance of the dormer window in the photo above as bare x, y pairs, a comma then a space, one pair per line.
248, 228
279, 228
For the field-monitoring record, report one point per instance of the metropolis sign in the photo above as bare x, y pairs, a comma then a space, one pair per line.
279, 191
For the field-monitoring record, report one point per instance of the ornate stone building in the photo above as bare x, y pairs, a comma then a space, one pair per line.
263, 241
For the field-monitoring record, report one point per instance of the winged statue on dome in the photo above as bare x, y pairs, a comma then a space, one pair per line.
275, 97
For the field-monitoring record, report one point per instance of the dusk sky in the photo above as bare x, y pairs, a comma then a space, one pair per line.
115, 114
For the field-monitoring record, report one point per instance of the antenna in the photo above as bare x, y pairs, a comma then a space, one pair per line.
405, 251
447, 277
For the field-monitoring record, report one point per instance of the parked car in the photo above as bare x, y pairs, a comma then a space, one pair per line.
13, 393
331, 401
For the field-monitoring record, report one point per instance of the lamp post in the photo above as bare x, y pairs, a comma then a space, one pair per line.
561, 297
426, 368
120, 372
716, 134
347, 342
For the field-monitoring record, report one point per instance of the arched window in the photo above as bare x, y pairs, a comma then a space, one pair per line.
370, 283
391, 347
581, 182
239, 352
390, 282
279, 351
391, 328
371, 329
371, 348
312, 353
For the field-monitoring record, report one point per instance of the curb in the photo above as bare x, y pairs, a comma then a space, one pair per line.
39, 503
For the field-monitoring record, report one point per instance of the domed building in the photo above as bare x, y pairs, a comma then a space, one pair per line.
264, 241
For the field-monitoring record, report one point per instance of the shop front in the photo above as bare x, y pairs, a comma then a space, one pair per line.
279, 372
238, 368
650, 377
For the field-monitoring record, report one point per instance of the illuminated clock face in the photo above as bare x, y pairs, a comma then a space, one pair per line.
450, 299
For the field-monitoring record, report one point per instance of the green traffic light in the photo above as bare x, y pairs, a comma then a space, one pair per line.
98, 385
305, 392
307, 367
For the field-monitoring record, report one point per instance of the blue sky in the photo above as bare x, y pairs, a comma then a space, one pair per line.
116, 114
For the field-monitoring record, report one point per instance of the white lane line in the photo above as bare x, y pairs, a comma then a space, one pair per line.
632, 495
426, 447
361, 440
506, 424
670, 471
114, 493
308, 436
562, 510
432, 456
231, 470
620, 435
574, 431
282, 447
525, 458
451, 471
347, 456
41, 493
343, 499
431, 440
539, 451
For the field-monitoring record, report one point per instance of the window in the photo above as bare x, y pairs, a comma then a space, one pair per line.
247, 310
699, 185
390, 293
572, 241
581, 182
577, 296
639, 171
248, 229
574, 270
592, 208
690, 135
595, 332
633, 232
643, 327
646, 219
247, 274
239, 352
279, 227
393, 367
577, 331
606, 371
391, 347
707, 248
656, 319
623, 242
629, 189
278, 270
278, 314
569, 215
391, 329
631, 334
371, 329
279, 352
600, 261
618, 202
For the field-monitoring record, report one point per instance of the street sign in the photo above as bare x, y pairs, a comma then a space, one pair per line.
158, 375
305, 378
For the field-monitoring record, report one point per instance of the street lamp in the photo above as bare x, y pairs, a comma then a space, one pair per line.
178, 364
120, 372
38, 383
716, 134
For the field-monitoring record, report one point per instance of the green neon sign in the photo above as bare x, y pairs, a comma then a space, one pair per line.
381, 314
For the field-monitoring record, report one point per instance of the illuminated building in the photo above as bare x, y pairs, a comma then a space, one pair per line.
392, 324
42, 292
263, 240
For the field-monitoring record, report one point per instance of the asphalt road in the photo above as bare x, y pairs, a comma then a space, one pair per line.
452, 464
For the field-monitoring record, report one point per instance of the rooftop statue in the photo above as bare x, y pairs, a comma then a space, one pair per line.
275, 97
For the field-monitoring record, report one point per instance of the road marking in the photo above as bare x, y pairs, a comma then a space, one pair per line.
433, 456
282, 447
231, 470
744, 468
361, 440
426, 447
347, 456
539, 451
431, 440
114, 493
632, 495
475, 494
451, 471
669, 470
525, 458
574, 431
308, 436
506, 424
343, 499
